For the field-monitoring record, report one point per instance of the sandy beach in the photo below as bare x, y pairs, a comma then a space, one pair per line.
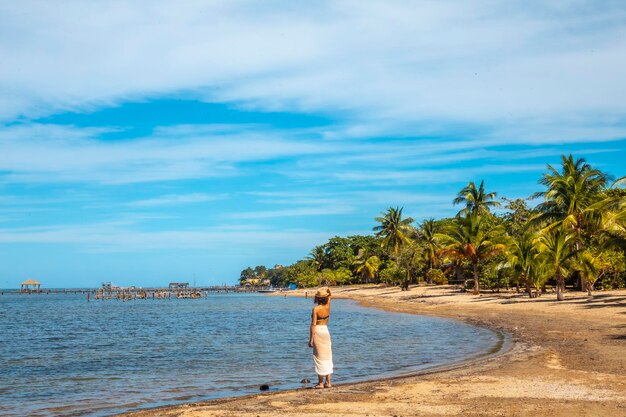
562, 359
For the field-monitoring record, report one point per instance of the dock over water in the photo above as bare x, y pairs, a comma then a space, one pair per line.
134, 293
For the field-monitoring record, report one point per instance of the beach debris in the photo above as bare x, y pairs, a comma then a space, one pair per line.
264, 387
305, 381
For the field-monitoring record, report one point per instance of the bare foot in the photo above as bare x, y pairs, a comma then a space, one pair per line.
319, 386
328, 386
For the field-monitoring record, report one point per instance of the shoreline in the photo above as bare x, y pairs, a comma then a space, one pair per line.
507, 387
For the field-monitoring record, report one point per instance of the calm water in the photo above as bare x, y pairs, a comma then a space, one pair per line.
63, 356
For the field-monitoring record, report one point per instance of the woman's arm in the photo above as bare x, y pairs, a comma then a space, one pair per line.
312, 327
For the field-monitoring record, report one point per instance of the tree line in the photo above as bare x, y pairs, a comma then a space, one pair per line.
574, 234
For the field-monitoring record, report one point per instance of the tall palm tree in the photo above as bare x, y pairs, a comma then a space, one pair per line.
571, 196
393, 229
476, 200
521, 258
556, 247
573, 199
430, 241
468, 239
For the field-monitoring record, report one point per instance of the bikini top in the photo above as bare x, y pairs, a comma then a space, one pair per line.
321, 318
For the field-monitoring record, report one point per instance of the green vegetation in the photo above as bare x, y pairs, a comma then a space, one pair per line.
575, 235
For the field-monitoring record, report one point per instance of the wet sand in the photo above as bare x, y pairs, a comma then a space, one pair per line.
563, 359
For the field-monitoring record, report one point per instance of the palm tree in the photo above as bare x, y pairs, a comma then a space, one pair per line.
573, 199
469, 240
317, 257
521, 258
432, 246
367, 267
393, 229
589, 267
572, 195
613, 233
556, 247
476, 200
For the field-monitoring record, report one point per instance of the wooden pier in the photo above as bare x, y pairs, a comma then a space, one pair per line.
137, 293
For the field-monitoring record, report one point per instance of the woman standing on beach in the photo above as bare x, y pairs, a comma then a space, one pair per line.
320, 338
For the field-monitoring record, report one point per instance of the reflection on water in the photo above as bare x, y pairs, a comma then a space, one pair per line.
63, 356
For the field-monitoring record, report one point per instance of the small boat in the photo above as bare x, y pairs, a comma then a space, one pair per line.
268, 290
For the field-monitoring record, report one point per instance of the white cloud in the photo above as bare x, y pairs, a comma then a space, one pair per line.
294, 212
51, 153
46, 153
425, 64
122, 237
175, 199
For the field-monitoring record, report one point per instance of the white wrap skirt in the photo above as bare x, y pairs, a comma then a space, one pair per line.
322, 351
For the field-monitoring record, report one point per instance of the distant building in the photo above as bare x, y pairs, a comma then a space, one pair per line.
278, 266
107, 286
30, 285
179, 285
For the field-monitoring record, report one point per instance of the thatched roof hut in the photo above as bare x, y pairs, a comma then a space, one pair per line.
30, 285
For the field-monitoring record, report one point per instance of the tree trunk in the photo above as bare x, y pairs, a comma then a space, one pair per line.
560, 284
476, 282
529, 290
458, 273
580, 282
405, 284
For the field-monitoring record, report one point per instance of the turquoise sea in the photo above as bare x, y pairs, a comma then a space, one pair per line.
63, 356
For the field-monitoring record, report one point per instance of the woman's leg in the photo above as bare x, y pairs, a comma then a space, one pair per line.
320, 381
327, 384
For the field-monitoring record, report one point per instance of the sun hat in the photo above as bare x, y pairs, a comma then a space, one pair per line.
323, 292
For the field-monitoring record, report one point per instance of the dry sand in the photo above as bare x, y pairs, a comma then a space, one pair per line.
564, 359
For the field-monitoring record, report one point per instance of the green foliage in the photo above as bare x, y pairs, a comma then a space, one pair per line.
602, 268
471, 239
393, 229
571, 197
578, 229
367, 267
256, 276
367, 244
493, 277
429, 241
556, 248
436, 276
476, 200
246, 276
516, 219
392, 275
339, 276
303, 274
277, 276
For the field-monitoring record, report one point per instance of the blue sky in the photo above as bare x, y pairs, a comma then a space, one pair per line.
147, 142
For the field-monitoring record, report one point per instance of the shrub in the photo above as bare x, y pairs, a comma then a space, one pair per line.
392, 275
436, 276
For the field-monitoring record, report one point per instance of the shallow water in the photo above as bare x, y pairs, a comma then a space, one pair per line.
63, 356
